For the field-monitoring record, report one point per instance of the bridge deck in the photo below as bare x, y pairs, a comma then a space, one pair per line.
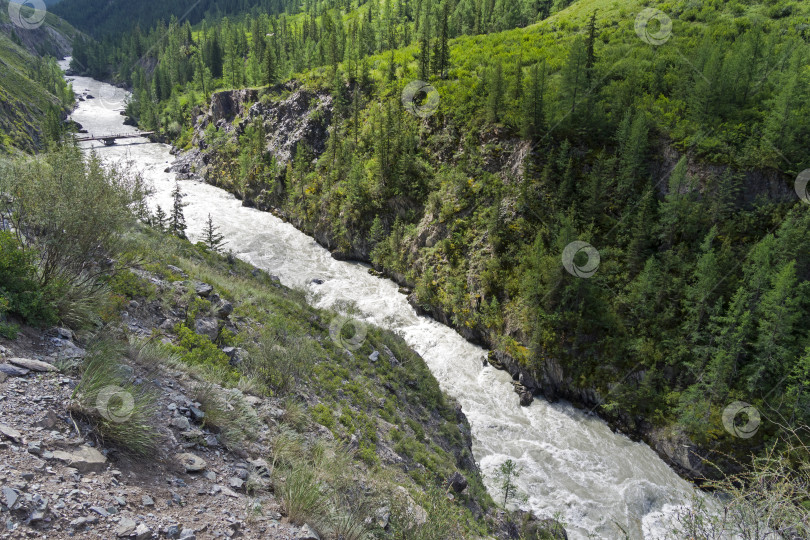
113, 138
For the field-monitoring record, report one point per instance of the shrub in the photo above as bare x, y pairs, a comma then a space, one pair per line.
69, 209
121, 413
198, 350
323, 415
20, 291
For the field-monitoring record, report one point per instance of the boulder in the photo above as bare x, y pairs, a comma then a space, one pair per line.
457, 482
10, 497
203, 290
13, 371
207, 327
126, 528
33, 365
85, 459
235, 355
10, 433
142, 532
70, 351
224, 309
191, 462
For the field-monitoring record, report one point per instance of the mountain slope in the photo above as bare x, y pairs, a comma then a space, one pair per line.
31, 88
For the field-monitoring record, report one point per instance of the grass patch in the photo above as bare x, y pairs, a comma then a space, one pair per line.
121, 413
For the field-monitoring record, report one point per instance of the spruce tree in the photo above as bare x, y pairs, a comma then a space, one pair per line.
424, 46
160, 219
177, 221
496, 93
213, 239
441, 52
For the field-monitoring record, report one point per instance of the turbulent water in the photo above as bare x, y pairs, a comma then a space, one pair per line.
573, 467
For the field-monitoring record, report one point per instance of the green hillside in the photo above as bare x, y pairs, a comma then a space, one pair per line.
33, 93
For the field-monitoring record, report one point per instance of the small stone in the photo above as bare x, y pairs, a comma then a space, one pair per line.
171, 531
203, 289
13, 371
457, 482
308, 533
28, 476
191, 462
84, 460
236, 483
33, 365
100, 511
120, 501
126, 527
35, 448
11, 496
229, 492
187, 534
10, 433
197, 414
180, 422
176, 270
146, 500
210, 475
374, 356
65, 333
49, 421
142, 532
224, 310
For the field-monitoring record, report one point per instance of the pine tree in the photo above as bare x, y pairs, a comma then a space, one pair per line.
213, 239
590, 55
534, 116
177, 221
441, 52
424, 45
160, 219
496, 93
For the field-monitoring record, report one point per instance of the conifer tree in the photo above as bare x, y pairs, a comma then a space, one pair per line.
160, 219
213, 239
441, 52
424, 45
177, 221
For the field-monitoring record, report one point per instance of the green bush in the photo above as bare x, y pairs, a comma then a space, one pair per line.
20, 291
323, 415
199, 350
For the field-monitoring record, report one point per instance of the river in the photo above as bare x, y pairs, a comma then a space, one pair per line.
573, 466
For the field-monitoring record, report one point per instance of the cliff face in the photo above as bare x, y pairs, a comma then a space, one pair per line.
300, 116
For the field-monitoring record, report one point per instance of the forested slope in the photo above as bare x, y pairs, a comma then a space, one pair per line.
668, 140
33, 93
